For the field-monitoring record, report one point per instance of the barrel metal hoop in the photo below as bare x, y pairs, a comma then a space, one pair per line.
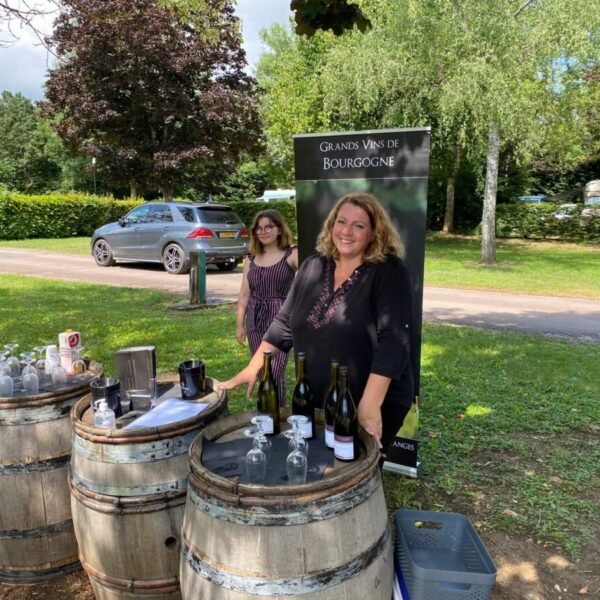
37, 532
150, 489
36, 467
299, 513
26, 577
290, 586
41, 414
133, 453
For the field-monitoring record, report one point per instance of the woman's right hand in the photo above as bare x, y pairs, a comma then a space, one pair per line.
240, 334
247, 376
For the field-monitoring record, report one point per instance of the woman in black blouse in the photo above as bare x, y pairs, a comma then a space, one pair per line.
351, 302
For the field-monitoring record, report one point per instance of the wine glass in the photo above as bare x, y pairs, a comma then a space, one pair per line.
59, 375
257, 433
296, 466
6, 385
12, 361
4, 368
78, 365
31, 382
296, 435
28, 358
41, 364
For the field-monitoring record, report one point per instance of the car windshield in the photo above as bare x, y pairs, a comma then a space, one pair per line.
220, 216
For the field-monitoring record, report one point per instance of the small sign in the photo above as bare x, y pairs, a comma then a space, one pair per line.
403, 451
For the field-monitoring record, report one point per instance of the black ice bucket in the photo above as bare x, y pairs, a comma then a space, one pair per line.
107, 388
192, 379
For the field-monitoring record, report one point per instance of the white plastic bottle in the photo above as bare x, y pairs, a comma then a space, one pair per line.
104, 417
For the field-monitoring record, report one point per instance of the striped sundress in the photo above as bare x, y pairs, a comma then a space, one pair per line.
269, 287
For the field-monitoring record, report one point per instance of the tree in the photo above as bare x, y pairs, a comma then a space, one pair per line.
31, 159
337, 16
156, 100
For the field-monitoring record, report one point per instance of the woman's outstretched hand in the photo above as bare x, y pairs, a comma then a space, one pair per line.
247, 376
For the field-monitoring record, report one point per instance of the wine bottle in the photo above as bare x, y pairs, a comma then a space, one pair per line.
302, 399
333, 393
267, 403
345, 427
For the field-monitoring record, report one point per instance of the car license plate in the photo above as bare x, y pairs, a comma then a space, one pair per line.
226, 234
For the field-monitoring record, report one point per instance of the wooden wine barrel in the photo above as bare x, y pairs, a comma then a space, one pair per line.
128, 490
37, 541
322, 540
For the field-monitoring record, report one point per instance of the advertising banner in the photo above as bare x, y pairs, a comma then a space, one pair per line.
391, 164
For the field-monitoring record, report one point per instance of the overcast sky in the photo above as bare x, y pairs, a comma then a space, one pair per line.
23, 65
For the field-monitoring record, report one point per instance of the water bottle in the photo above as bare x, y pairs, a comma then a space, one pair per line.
104, 417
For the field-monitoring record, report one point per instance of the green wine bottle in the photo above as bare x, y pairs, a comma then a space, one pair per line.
267, 403
331, 403
302, 398
345, 429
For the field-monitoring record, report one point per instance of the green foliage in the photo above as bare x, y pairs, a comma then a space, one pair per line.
29, 160
525, 220
246, 211
56, 215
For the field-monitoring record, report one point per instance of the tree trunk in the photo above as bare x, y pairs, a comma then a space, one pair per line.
167, 192
450, 194
488, 221
449, 214
133, 189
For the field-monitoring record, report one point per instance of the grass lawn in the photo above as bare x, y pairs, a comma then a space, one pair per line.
529, 267
509, 423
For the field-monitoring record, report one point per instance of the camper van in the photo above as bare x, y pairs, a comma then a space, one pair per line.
591, 199
275, 195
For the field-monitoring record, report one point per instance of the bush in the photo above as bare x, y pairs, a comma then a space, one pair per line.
65, 215
247, 209
57, 215
536, 221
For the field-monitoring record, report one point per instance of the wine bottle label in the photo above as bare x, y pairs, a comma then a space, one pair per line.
307, 429
344, 447
329, 436
267, 426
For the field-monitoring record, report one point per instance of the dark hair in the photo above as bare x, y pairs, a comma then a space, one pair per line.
284, 238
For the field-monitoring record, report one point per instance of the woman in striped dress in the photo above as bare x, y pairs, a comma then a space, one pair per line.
267, 278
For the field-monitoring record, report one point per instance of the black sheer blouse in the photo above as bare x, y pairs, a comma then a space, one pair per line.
365, 324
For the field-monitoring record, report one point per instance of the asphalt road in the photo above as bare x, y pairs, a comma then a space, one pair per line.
558, 317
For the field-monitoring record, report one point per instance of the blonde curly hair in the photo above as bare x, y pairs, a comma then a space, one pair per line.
385, 237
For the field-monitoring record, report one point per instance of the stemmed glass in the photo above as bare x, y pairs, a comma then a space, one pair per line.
42, 366
297, 459
59, 375
31, 382
296, 435
256, 458
6, 382
12, 361
79, 367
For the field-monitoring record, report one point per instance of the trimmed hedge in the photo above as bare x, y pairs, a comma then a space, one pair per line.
66, 215
57, 215
535, 221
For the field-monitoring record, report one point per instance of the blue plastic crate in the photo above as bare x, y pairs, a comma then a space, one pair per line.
440, 556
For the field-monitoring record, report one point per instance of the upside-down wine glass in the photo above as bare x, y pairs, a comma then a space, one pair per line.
31, 382
12, 361
295, 434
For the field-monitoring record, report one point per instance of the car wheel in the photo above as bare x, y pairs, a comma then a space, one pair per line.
103, 253
173, 259
229, 266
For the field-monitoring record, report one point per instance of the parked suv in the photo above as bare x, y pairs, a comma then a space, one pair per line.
166, 232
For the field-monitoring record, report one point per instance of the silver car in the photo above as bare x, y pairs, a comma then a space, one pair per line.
166, 232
